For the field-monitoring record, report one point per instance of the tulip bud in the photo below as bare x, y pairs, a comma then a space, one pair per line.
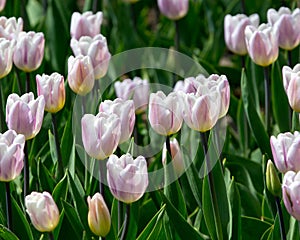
262, 44
291, 193
272, 180
98, 216
137, 90
6, 54
97, 49
53, 89
177, 159
2, 4
86, 24
29, 51
286, 25
10, 27
124, 109
100, 134
286, 151
127, 178
11, 155
165, 113
81, 77
291, 83
42, 211
25, 114
173, 9
234, 31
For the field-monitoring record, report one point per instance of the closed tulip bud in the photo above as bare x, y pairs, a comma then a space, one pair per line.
86, 24
286, 151
286, 24
42, 211
6, 54
165, 113
2, 4
29, 51
53, 89
127, 177
234, 31
291, 83
98, 216
97, 49
291, 193
10, 27
173, 9
81, 77
124, 109
262, 44
177, 159
272, 180
100, 134
137, 90
25, 114
11, 155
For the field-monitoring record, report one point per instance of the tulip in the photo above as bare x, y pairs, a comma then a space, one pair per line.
86, 24
81, 77
291, 193
97, 49
124, 109
6, 54
262, 44
127, 178
272, 180
173, 9
53, 89
286, 151
234, 31
100, 134
25, 114
188, 85
165, 113
42, 211
11, 155
2, 4
291, 83
10, 27
287, 25
98, 215
177, 158
136, 89
29, 51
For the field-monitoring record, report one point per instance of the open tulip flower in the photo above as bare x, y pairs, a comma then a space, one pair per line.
10, 27
6, 54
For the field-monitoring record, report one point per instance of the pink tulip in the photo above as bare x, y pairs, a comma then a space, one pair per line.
234, 31
100, 134
97, 49
53, 89
86, 24
165, 113
2, 4
127, 177
188, 85
124, 109
11, 155
25, 114
81, 77
10, 27
6, 54
173, 9
287, 25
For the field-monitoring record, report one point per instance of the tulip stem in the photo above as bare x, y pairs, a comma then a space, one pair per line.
27, 82
267, 99
60, 169
176, 39
290, 63
126, 222
280, 215
51, 236
18, 81
211, 185
26, 170
243, 7
168, 146
95, 6
101, 177
2, 121
8, 205
120, 214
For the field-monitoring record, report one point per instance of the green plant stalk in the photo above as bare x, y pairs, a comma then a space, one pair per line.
8, 205
243, 7
211, 185
27, 89
18, 80
267, 100
176, 45
26, 170
126, 222
95, 6
2, 124
101, 177
51, 236
120, 214
60, 169
168, 146
281, 221
290, 63
246, 127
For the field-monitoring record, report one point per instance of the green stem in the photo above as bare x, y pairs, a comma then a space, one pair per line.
51, 236
60, 169
243, 7
27, 82
120, 214
176, 39
18, 80
8, 206
101, 177
2, 120
168, 146
281, 221
95, 6
126, 222
267, 100
212, 189
290, 63
26, 170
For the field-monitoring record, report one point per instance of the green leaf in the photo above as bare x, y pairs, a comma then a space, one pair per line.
46, 181
6, 234
293, 231
253, 228
52, 147
60, 191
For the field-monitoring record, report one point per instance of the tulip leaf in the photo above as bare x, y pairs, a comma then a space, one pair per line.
60, 191
293, 231
52, 147
253, 228
45, 179
6, 234
254, 120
